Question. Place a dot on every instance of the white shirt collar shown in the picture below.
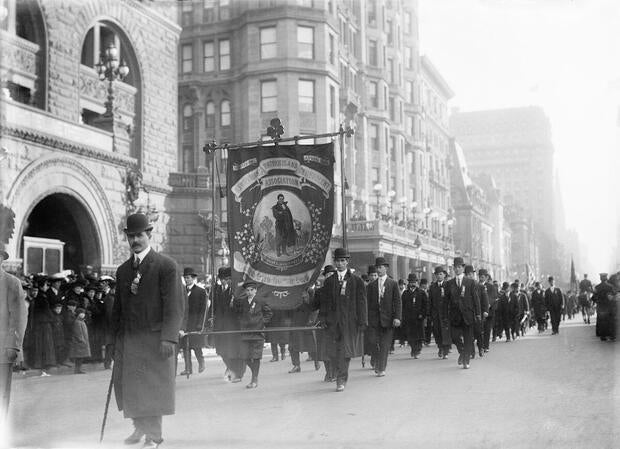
(383, 278)
(341, 274)
(141, 255)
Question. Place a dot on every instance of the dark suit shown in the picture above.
(195, 317)
(225, 319)
(554, 301)
(489, 321)
(143, 380)
(540, 309)
(439, 315)
(415, 310)
(484, 308)
(344, 314)
(464, 310)
(382, 311)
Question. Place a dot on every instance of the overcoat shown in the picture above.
(344, 314)
(143, 380)
(13, 314)
(464, 302)
(225, 319)
(79, 346)
(439, 313)
(415, 305)
(195, 314)
(303, 341)
(538, 304)
(42, 352)
(554, 300)
(253, 315)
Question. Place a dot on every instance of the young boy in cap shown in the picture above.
(79, 346)
(254, 314)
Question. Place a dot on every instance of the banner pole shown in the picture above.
(343, 189)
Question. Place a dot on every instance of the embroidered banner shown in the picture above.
(280, 217)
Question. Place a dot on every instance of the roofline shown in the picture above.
(428, 66)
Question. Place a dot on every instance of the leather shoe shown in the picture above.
(381, 374)
(465, 365)
(151, 444)
(135, 437)
(460, 360)
(252, 385)
(340, 387)
(295, 369)
(274, 359)
(185, 372)
(235, 380)
(201, 367)
(481, 352)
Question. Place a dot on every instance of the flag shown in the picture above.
(573, 276)
(280, 216)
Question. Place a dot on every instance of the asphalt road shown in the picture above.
(541, 391)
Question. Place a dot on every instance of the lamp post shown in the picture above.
(417, 244)
(391, 194)
(403, 206)
(426, 211)
(414, 207)
(377, 189)
(110, 69)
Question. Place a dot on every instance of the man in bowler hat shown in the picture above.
(146, 319)
(193, 321)
(343, 312)
(438, 312)
(554, 301)
(464, 311)
(384, 314)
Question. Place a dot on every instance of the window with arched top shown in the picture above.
(210, 115)
(225, 116)
(24, 51)
(187, 149)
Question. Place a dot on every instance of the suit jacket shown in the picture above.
(464, 302)
(438, 307)
(415, 305)
(195, 309)
(383, 313)
(13, 314)
(554, 300)
(493, 296)
(484, 298)
(254, 315)
(538, 303)
(143, 380)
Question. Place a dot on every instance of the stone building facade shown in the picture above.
(72, 172)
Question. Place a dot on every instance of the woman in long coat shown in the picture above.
(43, 352)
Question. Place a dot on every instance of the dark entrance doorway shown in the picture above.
(61, 216)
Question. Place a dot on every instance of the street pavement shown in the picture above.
(541, 391)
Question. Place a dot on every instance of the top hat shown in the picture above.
(187, 271)
(483, 272)
(328, 269)
(341, 253)
(3, 254)
(440, 269)
(381, 261)
(412, 278)
(250, 283)
(137, 223)
(458, 261)
(224, 272)
(469, 269)
(372, 269)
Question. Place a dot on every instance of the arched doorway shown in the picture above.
(61, 216)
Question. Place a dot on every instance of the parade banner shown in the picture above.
(280, 216)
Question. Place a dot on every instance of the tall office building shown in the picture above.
(316, 64)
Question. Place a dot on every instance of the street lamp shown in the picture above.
(110, 69)
(403, 205)
(377, 189)
(414, 207)
(417, 244)
(391, 194)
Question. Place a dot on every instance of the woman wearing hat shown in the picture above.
(254, 314)
(43, 355)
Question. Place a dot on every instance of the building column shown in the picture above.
(394, 266)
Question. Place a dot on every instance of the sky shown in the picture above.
(562, 55)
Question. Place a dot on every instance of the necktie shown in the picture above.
(136, 262)
(458, 282)
(380, 289)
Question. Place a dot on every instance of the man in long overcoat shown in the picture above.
(470, 272)
(147, 315)
(343, 312)
(384, 314)
(193, 321)
(415, 304)
(464, 311)
(539, 307)
(491, 293)
(438, 312)
(554, 300)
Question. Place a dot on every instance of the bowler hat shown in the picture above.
(440, 269)
(250, 283)
(423, 281)
(328, 269)
(514, 285)
(137, 223)
(341, 253)
(372, 269)
(550, 278)
(224, 272)
(188, 271)
(483, 272)
(505, 285)
(458, 261)
(381, 261)
(469, 269)
(3, 252)
(412, 278)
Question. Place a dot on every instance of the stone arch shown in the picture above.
(64, 176)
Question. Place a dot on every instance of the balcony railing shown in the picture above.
(191, 180)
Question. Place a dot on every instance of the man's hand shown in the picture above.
(166, 349)
(11, 354)
(396, 322)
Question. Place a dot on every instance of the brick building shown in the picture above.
(74, 164)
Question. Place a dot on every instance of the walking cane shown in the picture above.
(107, 405)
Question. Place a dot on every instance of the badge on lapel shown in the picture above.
(135, 284)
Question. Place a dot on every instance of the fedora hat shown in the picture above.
(341, 253)
(328, 269)
(469, 269)
(483, 272)
(372, 269)
(381, 261)
(412, 278)
(440, 269)
(458, 261)
(137, 223)
(224, 272)
(188, 271)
